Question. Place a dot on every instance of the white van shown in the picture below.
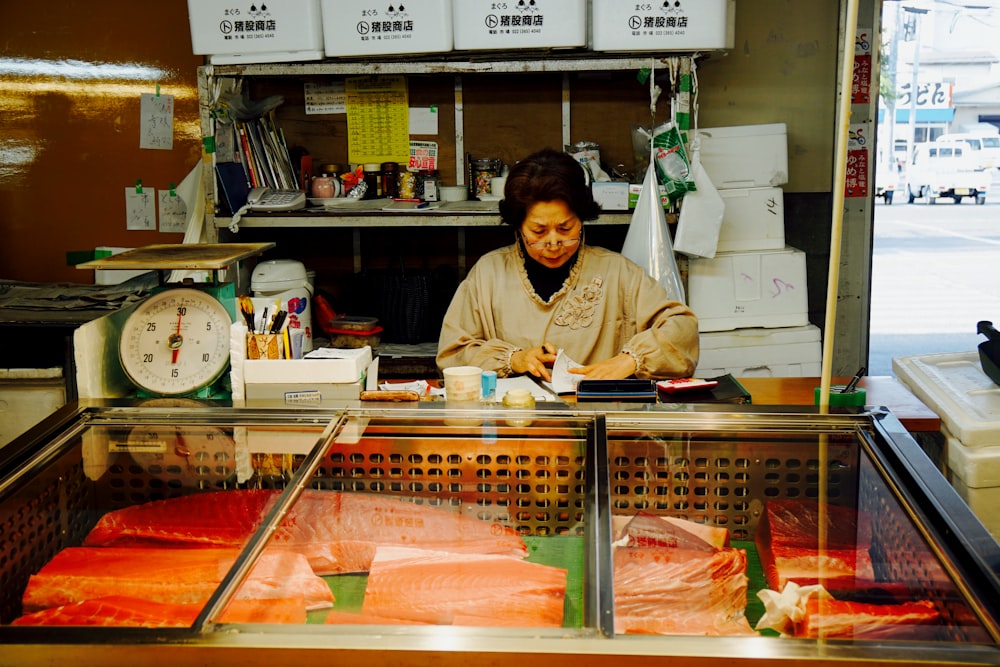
(945, 169)
(985, 147)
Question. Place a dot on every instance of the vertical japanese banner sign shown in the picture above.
(857, 180)
(857, 177)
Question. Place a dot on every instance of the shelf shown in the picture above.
(465, 62)
(385, 219)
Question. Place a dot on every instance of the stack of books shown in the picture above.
(264, 154)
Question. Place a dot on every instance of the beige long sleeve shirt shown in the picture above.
(607, 305)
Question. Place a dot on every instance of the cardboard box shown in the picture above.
(349, 366)
(487, 24)
(757, 352)
(754, 219)
(745, 156)
(764, 288)
(658, 26)
(375, 27)
(229, 33)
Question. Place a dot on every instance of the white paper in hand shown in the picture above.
(564, 382)
(647, 242)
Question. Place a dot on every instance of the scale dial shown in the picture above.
(176, 342)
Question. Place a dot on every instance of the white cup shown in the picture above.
(497, 184)
(463, 383)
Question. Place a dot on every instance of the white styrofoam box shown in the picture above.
(256, 32)
(978, 467)
(744, 156)
(758, 288)
(27, 396)
(679, 25)
(303, 393)
(376, 27)
(955, 387)
(982, 502)
(520, 24)
(756, 352)
(348, 366)
(754, 219)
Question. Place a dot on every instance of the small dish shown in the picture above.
(325, 201)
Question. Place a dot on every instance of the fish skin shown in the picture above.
(649, 530)
(180, 576)
(447, 588)
(123, 611)
(337, 532)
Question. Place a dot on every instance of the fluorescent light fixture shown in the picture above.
(79, 69)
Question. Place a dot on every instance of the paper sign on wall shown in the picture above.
(173, 212)
(156, 123)
(378, 123)
(140, 208)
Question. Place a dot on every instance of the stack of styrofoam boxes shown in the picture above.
(661, 26)
(377, 27)
(751, 298)
(516, 24)
(968, 402)
(256, 32)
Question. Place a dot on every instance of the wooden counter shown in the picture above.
(882, 390)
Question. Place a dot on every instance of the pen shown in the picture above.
(854, 381)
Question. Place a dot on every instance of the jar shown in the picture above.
(390, 176)
(521, 399)
(373, 179)
(323, 187)
(483, 172)
(407, 185)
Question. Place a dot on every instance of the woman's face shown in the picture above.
(551, 233)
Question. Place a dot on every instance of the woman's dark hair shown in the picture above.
(547, 175)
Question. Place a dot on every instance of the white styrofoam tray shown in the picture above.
(955, 387)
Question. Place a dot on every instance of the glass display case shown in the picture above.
(185, 532)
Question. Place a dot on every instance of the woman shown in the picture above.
(520, 304)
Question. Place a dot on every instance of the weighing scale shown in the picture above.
(176, 342)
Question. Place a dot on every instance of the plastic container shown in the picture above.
(284, 284)
(463, 383)
(841, 399)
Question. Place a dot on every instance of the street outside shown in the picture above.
(934, 276)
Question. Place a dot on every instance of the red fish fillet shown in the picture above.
(662, 590)
(180, 576)
(121, 611)
(337, 532)
(787, 540)
(854, 620)
(472, 589)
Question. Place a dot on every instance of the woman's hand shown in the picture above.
(615, 368)
(535, 361)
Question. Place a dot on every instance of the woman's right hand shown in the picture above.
(535, 361)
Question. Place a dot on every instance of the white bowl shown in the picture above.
(454, 193)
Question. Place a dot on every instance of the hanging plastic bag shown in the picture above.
(647, 242)
(701, 214)
(671, 160)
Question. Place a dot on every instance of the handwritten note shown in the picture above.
(173, 212)
(140, 208)
(325, 98)
(378, 125)
(156, 124)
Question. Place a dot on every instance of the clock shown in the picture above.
(176, 343)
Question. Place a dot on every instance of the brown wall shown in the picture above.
(69, 147)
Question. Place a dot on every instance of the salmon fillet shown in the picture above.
(715, 536)
(471, 589)
(649, 530)
(854, 620)
(787, 540)
(174, 576)
(337, 532)
(663, 590)
(121, 611)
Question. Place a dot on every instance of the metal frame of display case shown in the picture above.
(973, 557)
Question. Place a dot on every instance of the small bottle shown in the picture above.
(489, 386)
(373, 179)
(390, 182)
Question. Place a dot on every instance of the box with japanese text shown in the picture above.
(487, 24)
(763, 288)
(372, 27)
(270, 32)
(680, 25)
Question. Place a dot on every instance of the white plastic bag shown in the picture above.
(647, 242)
(701, 215)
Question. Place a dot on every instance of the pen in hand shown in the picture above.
(854, 381)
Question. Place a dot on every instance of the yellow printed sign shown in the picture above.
(378, 123)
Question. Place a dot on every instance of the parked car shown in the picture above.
(985, 147)
(945, 169)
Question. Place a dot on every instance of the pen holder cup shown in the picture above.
(262, 346)
(854, 398)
